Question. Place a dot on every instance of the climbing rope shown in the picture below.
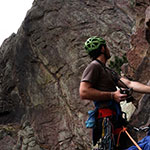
(125, 130)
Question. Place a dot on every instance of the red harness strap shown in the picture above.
(105, 112)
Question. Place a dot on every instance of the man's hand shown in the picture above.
(118, 97)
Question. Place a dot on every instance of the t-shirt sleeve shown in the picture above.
(91, 74)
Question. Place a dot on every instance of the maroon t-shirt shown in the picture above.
(99, 76)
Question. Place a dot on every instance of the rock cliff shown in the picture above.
(41, 67)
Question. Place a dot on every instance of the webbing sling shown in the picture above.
(114, 74)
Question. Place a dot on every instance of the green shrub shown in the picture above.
(117, 63)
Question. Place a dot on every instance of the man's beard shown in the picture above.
(108, 56)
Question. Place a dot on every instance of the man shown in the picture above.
(99, 83)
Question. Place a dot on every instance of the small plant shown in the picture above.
(117, 63)
(132, 3)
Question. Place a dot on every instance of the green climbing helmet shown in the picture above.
(93, 43)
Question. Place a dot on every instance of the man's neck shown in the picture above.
(102, 59)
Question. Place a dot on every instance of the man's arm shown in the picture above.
(137, 86)
(87, 92)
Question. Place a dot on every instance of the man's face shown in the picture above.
(107, 53)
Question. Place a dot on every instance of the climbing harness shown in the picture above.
(105, 112)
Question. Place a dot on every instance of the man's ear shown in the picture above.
(103, 49)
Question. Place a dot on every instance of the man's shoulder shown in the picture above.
(95, 64)
(91, 72)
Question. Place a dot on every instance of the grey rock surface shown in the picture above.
(26, 138)
(41, 65)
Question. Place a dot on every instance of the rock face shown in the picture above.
(139, 60)
(26, 138)
(41, 65)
